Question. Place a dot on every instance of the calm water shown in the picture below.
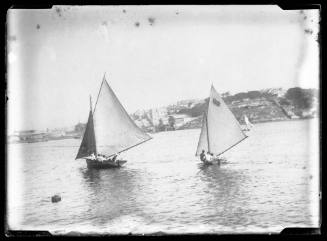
(270, 182)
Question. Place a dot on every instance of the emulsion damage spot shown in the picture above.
(308, 31)
(151, 20)
(58, 11)
(12, 38)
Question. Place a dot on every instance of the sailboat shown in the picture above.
(109, 131)
(248, 124)
(220, 129)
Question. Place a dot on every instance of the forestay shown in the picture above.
(220, 125)
(114, 130)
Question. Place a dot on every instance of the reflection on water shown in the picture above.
(226, 195)
(112, 192)
(163, 187)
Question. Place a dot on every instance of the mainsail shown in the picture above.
(220, 129)
(114, 130)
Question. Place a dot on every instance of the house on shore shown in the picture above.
(31, 136)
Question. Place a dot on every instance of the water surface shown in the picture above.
(270, 182)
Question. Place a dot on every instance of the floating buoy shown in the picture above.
(55, 198)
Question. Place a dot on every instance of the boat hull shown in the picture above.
(215, 161)
(96, 164)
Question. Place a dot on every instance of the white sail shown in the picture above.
(223, 130)
(114, 130)
(203, 140)
(248, 124)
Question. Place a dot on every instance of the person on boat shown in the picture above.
(203, 156)
(92, 156)
(208, 156)
(115, 158)
(218, 161)
(101, 157)
(211, 157)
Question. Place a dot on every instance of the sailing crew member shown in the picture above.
(92, 156)
(203, 156)
(219, 161)
(211, 157)
(114, 159)
(101, 158)
(208, 156)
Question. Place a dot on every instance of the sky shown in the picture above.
(151, 56)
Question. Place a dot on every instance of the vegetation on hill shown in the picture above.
(301, 99)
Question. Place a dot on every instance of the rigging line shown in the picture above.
(233, 146)
(99, 92)
(131, 146)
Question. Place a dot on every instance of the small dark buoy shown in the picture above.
(55, 198)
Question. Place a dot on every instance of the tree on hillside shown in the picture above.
(268, 93)
(301, 98)
(195, 111)
(240, 96)
(161, 126)
(254, 94)
(284, 101)
(225, 94)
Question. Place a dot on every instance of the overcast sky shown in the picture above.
(152, 56)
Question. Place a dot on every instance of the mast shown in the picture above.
(203, 138)
(103, 79)
(206, 116)
(90, 103)
(91, 113)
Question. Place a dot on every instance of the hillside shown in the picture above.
(258, 106)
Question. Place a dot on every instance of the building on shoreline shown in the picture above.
(31, 136)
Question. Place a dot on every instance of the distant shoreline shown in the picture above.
(299, 119)
(259, 122)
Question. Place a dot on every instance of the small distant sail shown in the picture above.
(88, 145)
(248, 124)
(220, 129)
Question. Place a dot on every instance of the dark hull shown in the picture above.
(95, 164)
(216, 161)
